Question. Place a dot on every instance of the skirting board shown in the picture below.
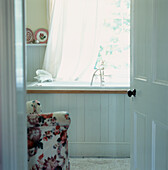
(101, 149)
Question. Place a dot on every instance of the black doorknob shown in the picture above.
(131, 92)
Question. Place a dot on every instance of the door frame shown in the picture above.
(12, 155)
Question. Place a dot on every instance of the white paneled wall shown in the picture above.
(100, 124)
(35, 57)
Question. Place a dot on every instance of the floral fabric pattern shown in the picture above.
(47, 141)
(33, 107)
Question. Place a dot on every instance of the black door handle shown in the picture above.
(131, 93)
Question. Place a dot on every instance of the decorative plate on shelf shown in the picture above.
(41, 35)
(29, 35)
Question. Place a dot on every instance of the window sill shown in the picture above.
(33, 88)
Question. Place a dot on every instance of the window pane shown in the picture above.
(114, 40)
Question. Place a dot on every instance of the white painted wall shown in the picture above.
(100, 122)
(36, 14)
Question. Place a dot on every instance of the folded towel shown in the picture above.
(43, 72)
(43, 76)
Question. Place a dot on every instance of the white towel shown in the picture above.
(43, 76)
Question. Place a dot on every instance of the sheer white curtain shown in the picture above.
(70, 52)
(50, 5)
(56, 20)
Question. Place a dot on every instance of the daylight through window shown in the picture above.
(89, 42)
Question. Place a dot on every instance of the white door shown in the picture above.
(149, 143)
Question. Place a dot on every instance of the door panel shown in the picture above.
(140, 140)
(160, 45)
(159, 146)
(140, 36)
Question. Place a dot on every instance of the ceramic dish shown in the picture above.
(29, 35)
(41, 35)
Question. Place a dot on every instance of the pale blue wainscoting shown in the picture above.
(34, 59)
(100, 124)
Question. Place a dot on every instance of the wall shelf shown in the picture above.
(36, 45)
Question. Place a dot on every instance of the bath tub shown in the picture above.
(74, 86)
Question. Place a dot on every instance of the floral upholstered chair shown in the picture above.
(47, 138)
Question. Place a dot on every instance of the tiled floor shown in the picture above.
(99, 164)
